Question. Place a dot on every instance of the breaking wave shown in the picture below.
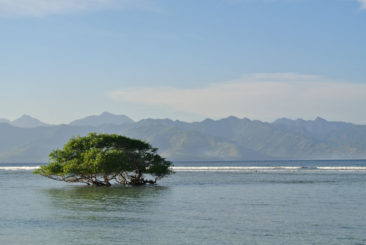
(234, 168)
(227, 168)
(19, 168)
(266, 168)
(343, 168)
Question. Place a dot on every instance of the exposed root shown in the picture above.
(123, 178)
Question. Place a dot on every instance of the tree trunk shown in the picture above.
(98, 183)
(106, 181)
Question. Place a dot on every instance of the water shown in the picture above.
(279, 202)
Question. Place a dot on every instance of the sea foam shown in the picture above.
(227, 168)
(342, 168)
(265, 168)
(19, 168)
(234, 168)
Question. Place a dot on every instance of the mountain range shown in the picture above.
(28, 140)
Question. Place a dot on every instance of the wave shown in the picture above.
(227, 168)
(343, 168)
(266, 168)
(235, 168)
(20, 168)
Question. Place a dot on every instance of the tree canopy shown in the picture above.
(103, 159)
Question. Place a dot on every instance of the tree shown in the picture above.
(102, 159)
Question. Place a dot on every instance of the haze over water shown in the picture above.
(278, 202)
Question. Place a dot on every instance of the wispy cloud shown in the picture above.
(363, 3)
(260, 96)
(38, 8)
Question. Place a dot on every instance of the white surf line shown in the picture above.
(225, 168)
(266, 168)
(342, 168)
(235, 168)
(17, 168)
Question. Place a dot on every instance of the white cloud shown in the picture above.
(37, 8)
(363, 3)
(260, 96)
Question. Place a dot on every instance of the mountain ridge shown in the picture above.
(104, 118)
(25, 121)
(229, 138)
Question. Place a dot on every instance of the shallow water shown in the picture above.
(306, 205)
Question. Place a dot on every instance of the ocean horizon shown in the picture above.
(257, 165)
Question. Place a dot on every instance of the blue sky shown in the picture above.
(188, 60)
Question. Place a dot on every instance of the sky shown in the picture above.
(188, 60)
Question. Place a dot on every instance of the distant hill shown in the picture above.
(226, 139)
(105, 118)
(25, 121)
(3, 120)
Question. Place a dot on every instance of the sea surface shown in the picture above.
(272, 202)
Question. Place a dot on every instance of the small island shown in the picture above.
(104, 159)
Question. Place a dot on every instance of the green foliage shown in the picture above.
(99, 159)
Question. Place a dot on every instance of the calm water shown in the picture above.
(292, 202)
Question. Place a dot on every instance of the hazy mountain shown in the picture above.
(27, 121)
(317, 127)
(3, 120)
(104, 118)
(179, 143)
(226, 139)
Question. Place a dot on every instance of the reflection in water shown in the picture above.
(93, 215)
(102, 194)
(98, 203)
